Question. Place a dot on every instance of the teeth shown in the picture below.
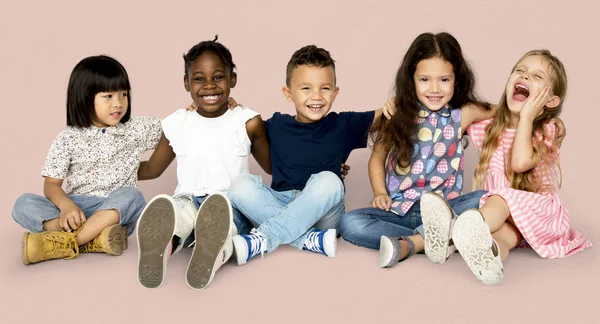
(210, 98)
(315, 106)
(521, 86)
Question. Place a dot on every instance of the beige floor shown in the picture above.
(291, 286)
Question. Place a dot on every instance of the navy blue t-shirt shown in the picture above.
(299, 150)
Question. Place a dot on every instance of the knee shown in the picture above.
(349, 223)
(241, 185)
(131, 194)
(21, 205)
(329, 184)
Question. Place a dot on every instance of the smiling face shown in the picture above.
(434, 82)
(529, 76)
(312, 90)
(209, 82)
(110, 107)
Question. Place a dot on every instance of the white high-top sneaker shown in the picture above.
(155, 230)
(213, 247)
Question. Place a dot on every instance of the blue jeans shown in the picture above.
(241, 222)
(31, 210)
(364, 227)
(285, 217)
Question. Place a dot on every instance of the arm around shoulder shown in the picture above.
(161, 158)
(473, 112)
(257, 132)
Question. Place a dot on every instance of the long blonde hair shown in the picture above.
(546, 156)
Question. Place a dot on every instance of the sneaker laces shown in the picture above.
(314, 241)
(257, 243)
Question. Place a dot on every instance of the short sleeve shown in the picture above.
(476, 132)
(152, 131)
(59, 158)
(358, 125)
(172, 124)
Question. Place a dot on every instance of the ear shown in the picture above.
(233, 80)
(186, 83)
(553, 102)
(335, 92)
(287, 93)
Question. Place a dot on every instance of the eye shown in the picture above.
(445, 79)
(124, 94)
(219, 77)
(326, 88)
(107, 96)
(519, 70)
(199, 79)
(539, 76)
(423, 79)
(305, 88)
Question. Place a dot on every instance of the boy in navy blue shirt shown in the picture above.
(305, 201)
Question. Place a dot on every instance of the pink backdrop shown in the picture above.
(43, 40)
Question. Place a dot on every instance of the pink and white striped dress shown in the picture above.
(541, 218)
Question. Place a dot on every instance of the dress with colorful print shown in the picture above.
(541, 218)
(436, 165)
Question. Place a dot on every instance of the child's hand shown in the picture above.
(71, 218)
(345, 169)
(383, 202)
(231, 103)
(389, 108)
(534, 106)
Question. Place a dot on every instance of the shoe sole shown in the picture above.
(156, 228)
(387, 253)
(212, 230)
(471, 237)
(114, 240)
(437, 216)
(240, 249)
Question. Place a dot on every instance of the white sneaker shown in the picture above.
(322, 241)
(475, 244)
(438, 221)
(155, 230)
(213, 233)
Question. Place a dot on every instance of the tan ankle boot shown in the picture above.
(112, 240)
(43, 246)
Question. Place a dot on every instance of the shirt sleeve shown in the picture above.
(59, 158)
(358, 125)
(154, 132)
(477, 131)
(171, 126)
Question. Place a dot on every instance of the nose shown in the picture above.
(209, 84)
(434, 87)
(118, 101)
(316, 94)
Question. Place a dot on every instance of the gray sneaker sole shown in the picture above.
(213, 225)
(155, 231)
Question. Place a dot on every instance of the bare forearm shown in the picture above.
(377, 172)
(57, 195)
(522, 151)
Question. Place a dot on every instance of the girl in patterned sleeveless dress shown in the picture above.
(417, 151)
(519, 166)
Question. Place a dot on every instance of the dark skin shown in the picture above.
(208, 77)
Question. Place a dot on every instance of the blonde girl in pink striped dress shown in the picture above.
(519, 167)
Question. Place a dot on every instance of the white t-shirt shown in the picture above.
(210, 152)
